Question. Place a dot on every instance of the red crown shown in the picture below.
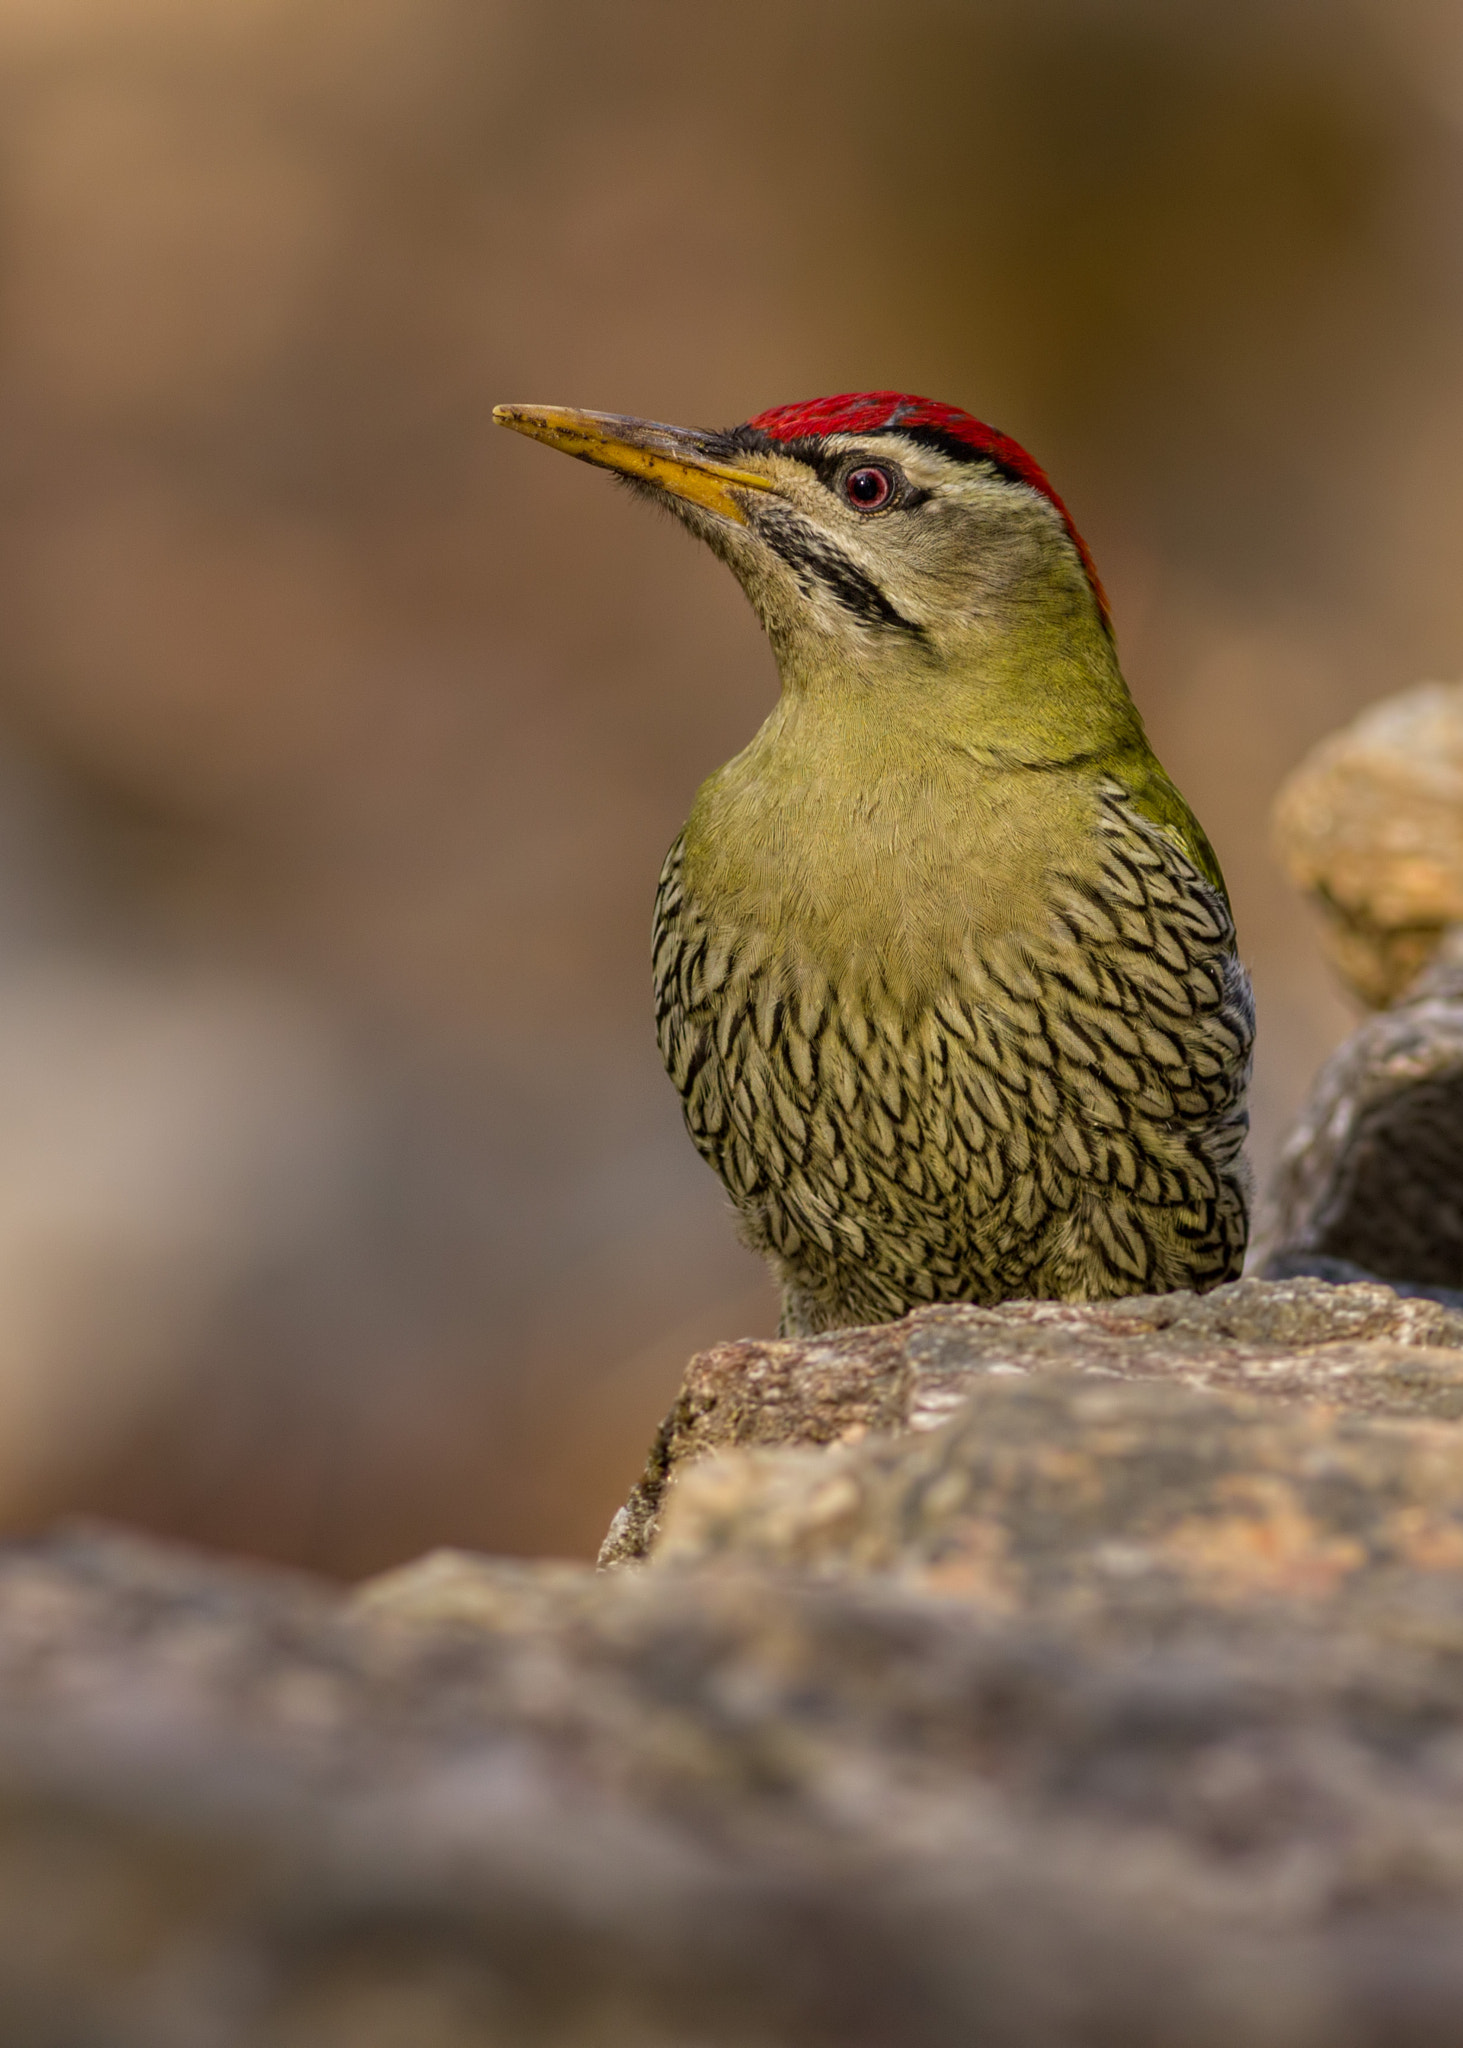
(872, 412)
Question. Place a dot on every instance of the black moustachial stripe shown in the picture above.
(813, 558)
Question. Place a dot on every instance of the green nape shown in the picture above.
(1156, 799)
(1047, 690)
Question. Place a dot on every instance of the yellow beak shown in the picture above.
(675, 458)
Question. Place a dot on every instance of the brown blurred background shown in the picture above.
(343, 1206)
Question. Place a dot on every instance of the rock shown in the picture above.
(1051, 1676)
(1060, 1493)
(1370, 1172)
(1289, 1265)
(1359, 1347)
(457, 1587)
(1368, 1183)
(735, 1803)
(1371, 826)
(1368, 1180)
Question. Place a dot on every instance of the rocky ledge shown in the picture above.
(1360, 1348)
(1044, 1677)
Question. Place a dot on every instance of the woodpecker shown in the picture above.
(944, 966)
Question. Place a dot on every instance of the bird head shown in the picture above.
(886, 540)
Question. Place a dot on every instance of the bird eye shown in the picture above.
(868, 488)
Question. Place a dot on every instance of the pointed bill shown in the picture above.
(679, 460)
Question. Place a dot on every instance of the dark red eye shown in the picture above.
(869, 488)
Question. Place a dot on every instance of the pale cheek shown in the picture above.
(938, 579)
(779, 601)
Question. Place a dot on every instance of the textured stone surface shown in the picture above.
(1371, 825)
(1047, 1677)
(1370, 1171)
(1049, 1491)
(1360, 1347)
(483, 1805)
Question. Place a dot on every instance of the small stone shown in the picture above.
(1370, 825)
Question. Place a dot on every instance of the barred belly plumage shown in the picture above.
(1061, 1117)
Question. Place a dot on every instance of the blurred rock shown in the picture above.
(254, 1247)
(1369, 1180)
(1359, 1348)
(1371, 826)
(1371, 1174)
(173, 1140)
(1104, 1713)
(458, 1586)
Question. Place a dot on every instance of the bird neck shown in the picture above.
(889, 811)
(1031, 682)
